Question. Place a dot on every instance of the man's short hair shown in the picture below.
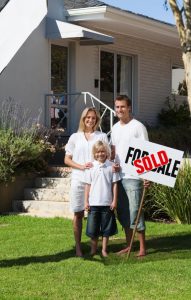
(124, 98)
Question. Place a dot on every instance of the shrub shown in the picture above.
(174, 114)
(174, 137)
(173, 202)
(23, 146)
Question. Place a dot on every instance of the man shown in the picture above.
(130, 188)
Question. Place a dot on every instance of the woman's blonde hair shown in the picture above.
(83, 116)
(101, 145)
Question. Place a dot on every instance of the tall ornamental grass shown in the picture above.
(23, 143)
(173, 202)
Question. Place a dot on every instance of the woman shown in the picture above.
(78, 156)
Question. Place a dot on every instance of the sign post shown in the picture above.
(153, 162)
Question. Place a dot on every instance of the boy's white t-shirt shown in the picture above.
(120, 137)
(101, 177)
(81, 150)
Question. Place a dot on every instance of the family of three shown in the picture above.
(99, 185)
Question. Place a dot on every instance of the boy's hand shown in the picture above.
(113, 205)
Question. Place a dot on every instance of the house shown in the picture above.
(59, 55)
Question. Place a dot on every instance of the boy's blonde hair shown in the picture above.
(83, 116)
(99, 145)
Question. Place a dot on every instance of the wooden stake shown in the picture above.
(136, 222)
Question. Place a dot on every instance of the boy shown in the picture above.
(101, 198)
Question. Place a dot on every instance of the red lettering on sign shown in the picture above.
(150, 162)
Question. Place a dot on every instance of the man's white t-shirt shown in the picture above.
(101, 177)
(120, 137)
(81, 150)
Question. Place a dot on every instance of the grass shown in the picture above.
(37, 262)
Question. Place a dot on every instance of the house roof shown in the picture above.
(74, 4)
(70, 4)
(3, 3)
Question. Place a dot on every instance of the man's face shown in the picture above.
(122, 110)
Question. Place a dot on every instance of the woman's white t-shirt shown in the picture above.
(81, 150)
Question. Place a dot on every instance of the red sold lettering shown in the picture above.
(150, 162)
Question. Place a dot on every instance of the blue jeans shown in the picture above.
(129, 198)
(101, 222)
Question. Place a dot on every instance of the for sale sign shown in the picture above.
(152, 161)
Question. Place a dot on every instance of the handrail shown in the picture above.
(111, 111)
(55, 104)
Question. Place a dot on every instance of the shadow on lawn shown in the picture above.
(159, 248)
(56, 257)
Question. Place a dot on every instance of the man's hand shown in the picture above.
(146, 183)
(116, 168)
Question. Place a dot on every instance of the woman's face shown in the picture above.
(90, 120)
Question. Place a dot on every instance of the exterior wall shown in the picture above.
(153, 82)
(26, 79)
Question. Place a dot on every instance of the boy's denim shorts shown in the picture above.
(129, 198)
(101, 222)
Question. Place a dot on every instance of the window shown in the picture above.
(59, 68)
(115, 76)
(178, 78)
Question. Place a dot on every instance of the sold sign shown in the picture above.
(153, 162)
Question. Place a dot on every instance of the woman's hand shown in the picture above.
(87, 206)
(87, 165)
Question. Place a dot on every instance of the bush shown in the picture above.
(174, 114)
(174, 137)
(174, 203)
(23, 146)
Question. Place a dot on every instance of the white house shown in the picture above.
(53, 52)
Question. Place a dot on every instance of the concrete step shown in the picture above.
(59, 171)
(53, 182)
(43, 208)
(41, 194)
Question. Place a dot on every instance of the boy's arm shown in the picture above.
(114, 202)
(87, 192)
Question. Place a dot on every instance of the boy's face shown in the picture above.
(101, 155)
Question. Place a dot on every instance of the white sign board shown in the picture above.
(152, 161)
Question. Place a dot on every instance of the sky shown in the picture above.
(151, 8)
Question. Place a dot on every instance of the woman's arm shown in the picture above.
(69, 162)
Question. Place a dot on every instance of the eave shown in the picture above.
(118, 21)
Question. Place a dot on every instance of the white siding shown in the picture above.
(153, 72)
(26, 79)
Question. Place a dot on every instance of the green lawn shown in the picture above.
(37, 262)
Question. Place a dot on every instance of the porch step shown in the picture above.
(47, 194)
(43, 208)
(49, 197)
(59, 171)
(52, 182)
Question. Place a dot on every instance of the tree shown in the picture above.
(182, 15)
